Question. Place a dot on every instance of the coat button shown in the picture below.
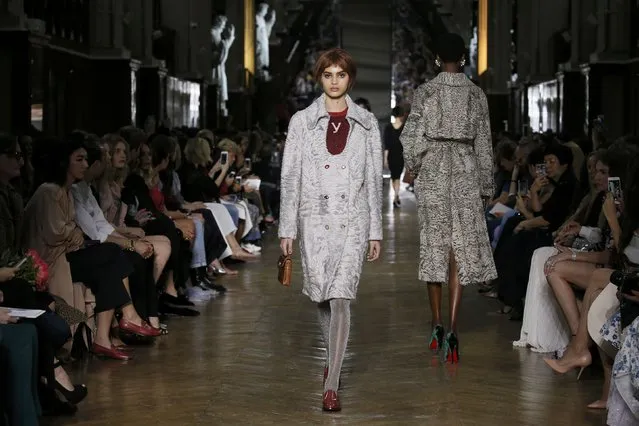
(343, 196)
(326, 197)
(326, 166)
(343, 167)
(326, 227)
(343, 226)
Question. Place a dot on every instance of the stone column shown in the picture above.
(235, 64)
(117, 14)
(12, 14)
(147, 32)
(613, 30)
(499, 25)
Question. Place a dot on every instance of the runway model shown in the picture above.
(331, 202)
(393, 151)
(447, 144)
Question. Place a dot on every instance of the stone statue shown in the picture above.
(264, 22)
(222, 37)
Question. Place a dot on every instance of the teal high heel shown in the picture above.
(437, 338)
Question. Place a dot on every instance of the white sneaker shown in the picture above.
(253, 249)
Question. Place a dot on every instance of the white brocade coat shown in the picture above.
(447, 144)
(332, 204)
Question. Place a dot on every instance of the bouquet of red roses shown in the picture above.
(34, 270)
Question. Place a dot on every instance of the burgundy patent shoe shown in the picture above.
(112, 352)
(140, 330)
(331, 401)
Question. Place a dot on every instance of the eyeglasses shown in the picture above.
(13, 154)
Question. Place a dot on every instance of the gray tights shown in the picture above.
(335, 321)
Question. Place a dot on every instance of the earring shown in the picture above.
(438, 64)
(462, 62)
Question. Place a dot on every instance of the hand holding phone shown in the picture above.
(541, 171)
(614, 187)
(224, 158)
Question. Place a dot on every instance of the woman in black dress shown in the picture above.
(393, 150)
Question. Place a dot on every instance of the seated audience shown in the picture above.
(583, 245)
(50, 229)
(516, 246)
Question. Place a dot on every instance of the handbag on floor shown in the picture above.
(285, 270)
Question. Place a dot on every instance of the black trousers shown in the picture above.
(52, 331)
(180, 250)
(214, 241)
(102, 268)
(513, 263)
(18, 375)
(270, 197)
(144, 293)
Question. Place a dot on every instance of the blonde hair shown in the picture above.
(207, 135)
(197, 152)
(229, 145)
(110, 174)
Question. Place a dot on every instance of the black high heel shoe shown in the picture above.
(437, 338)
(451, 348)
(74, 396)
(204, 279)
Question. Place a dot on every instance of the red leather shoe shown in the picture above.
(331, 401)
(137, 329)
(155, 331)
(111, 352)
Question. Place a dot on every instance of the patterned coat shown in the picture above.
(335, 201)
(447, 144)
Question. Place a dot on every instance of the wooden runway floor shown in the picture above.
(254, 357)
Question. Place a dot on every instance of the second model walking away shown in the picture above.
(332, 190)
(447, 145)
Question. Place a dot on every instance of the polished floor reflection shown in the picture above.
(254, 358)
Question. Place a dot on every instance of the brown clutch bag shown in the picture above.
(284, 270)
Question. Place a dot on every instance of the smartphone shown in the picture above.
(522, 187)
(232, 174)
(20, 263)
(247, 163)
(540, 169)
(614, 187)
(224, 157)
(238, 180)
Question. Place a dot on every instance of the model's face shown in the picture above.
(335, 82)
(602, 173)
(78, 165)
(118, 159)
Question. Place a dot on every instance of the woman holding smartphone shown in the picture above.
(448, 147)
(332, 188)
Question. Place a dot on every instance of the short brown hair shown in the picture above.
(339, 57)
